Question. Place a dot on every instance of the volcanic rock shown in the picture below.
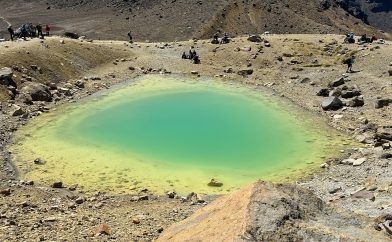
(215, 183)
(356, 102)
(102, 229)
(38, 92)
(6, 76)
(270, 212)
(255, 38)
(380, 103)
(324, 92)
(332, 103)
(245, 72)
(337, 82)
(57, 184)
(16, 110)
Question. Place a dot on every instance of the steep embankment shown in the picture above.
(164, 20)
(51, 61)
(268, 212)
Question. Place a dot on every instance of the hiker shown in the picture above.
(349, 62)
(225, 38)
(195, 59)
(215, 39)
(39, 31)
(192, 53)
(24, 32)
(130, 37)
(216, 36)
(349, 38)
(11, 31)
(33, 31)
(184, 55)
(374, 38)
(47, 30)
(364, 39)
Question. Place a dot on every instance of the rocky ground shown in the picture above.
(150, 20)
(304, 69)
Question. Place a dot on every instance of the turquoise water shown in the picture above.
(167, 134)
(207, 128)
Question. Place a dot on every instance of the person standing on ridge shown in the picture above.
(11, 31)
(130, 37)
(39, 31)
(47, 30)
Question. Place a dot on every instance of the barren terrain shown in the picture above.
(295, 67)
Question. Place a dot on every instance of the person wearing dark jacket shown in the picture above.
(12, 33)
(39, 31)
(349, 62)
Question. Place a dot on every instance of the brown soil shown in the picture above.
(162, 20)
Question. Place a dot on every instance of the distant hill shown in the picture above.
(377, 13)
(167, 20)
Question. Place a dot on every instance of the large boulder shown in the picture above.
(6, 77)
(332, 103)
(271, 212)
(38, 92)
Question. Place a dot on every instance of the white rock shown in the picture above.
(349, 161)
(359, 161)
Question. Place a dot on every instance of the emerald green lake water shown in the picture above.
(165, 134)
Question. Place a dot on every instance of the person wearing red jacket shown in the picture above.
(47, 30)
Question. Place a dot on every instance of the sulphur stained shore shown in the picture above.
(174, 133)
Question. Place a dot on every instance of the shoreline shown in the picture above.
(297, 172)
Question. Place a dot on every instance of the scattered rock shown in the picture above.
(351, 93)
(102, 229)
(39, 161)
(332, 103)
(5, 192)
(335, 190)
(79, 200)
(79, 83)
(380, 103)
(324, 92)
(194, 72)
(337, 82)
(171, 194)
(384, 133)
(359, 161)
(255, 38)
(16, 110)
(25, 98)
(245, 72)
(136, 221)
(57, 184)
(363, 194)
(38, 92)
(6, 76)
(386, 156)
(228, 70)
(215, 183)
(356, 102)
